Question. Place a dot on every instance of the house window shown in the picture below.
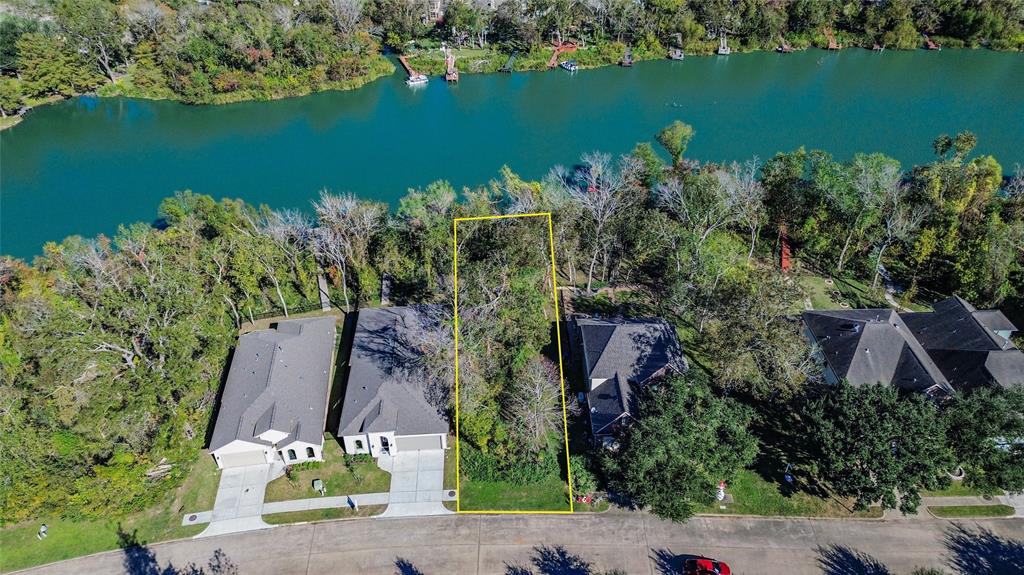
(291, 454)
(309, 452)
(359, 445)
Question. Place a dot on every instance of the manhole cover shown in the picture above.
(192, 518)
(451, 494)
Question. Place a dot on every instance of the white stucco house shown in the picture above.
(385, 410)
(274, 404)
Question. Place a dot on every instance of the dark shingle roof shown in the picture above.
(384, 390)
(626, 353)
(872, 346)
(964, 344)
(952, 326)
(279, 380)
(636, 349)
(955, 346)
(608, 402)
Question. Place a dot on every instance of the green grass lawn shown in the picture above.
(69, 538)
(450, 476)
(753, 495)
(959, 511)
(818, 291)
(549, 495)
(856, 293)
(338, 478)
(322, 514)
(955, 489)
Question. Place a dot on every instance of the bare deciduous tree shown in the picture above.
(346, 14)
(144, 18)
(899, 218)
(702, 203)
(599, 190)
(535, 403)
(869, 185)
(747, 195)
(347, 226)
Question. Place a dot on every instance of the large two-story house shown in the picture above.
(953, 348)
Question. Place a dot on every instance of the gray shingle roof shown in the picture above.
(384, 392)
(278, 379)
(873, 346)
(627, 353)
(634, 348)
(964, 344)
(955, 346)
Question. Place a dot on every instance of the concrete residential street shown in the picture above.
(634, 542)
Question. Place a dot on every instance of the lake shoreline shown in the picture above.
(91, 164)
(112, 90)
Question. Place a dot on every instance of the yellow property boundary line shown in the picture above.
(561, 373)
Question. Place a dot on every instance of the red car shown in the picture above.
(705, 566)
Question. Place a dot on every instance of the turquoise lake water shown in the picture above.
(86, 165)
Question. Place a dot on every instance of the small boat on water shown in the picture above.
(569, 65)
(417, 80)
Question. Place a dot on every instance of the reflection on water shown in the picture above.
(86, 165)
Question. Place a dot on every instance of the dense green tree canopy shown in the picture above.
(112, 349)
(223, 51)
(683, 441)
(875, 446)
(986, 433)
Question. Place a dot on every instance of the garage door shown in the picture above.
(243, 458)
(412, 443)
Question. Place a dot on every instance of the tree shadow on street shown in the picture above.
(982, 552)
(668, 563)
(555, 560)
(840, 560)
(139, 559)
(405, 567)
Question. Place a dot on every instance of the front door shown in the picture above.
(385, 447)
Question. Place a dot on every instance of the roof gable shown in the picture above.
(867, 346)
(278, 380)
(955, 345)
(384, 392)
(635, 349)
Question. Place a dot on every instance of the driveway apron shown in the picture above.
(239, 503)
(417, 484)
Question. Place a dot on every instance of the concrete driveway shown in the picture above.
(417, 484)
(239, 503)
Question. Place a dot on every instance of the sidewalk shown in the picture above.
(332, 502)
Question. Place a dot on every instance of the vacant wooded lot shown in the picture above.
(510, 409)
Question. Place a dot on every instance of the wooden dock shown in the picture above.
(507, 68)
(627, 58)
(451, 72)
(832, 43)
(415, 78)
(563, 48)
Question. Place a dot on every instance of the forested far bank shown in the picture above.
(216, 52)
(112, 349)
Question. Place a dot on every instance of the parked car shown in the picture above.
(705, 566)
